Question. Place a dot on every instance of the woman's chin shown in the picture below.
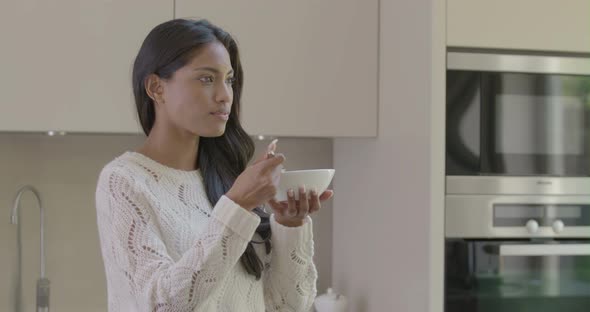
(213, 133)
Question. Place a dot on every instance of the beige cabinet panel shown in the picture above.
(546, 25)
(310, 66)
(67, 64)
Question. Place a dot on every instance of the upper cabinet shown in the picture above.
(67, 64)
(545, 25)
(310, 66)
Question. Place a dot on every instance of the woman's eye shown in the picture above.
(207, 79)
(231, 81)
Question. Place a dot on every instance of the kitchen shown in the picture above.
(380, 241)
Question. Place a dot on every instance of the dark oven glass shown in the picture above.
(479, 277)
(517, 124)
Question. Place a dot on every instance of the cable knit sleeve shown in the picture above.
(290, 280)
(136, 255)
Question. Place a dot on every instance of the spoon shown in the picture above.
(270, 152)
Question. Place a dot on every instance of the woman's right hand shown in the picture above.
(258, 183)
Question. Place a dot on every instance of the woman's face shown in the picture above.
(198, 97)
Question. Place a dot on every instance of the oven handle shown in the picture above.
(542, 64)
(530, 250)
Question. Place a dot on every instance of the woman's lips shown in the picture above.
(221, 115)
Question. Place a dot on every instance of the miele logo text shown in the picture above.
(544, 182)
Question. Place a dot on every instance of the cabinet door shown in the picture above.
(67, 64)
(310, 66)
(546, 25)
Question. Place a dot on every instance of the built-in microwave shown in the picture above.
(511, 115)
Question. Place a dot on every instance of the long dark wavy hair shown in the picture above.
(167, 48)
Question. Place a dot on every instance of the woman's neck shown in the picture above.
(171, 147)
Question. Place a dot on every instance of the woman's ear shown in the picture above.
(154, 88)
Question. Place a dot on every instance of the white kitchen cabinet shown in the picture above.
(546, 25)
(67, 64)
(310, 66)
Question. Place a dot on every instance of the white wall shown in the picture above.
(65, 169)
(388, 228)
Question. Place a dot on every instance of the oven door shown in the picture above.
(509, 120)
(517, 275)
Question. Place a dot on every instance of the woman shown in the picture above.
(180, 219)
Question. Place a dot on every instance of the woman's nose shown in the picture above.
(224, 93)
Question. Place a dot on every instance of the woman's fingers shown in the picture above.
(314, 202)
(303, 202)
(306, 204)
(326, 195)
(278, 207)
(292, 210)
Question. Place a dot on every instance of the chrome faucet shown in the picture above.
(42, 282)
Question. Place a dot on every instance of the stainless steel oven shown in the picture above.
(517, 253)
(517, 207)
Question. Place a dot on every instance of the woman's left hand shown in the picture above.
(292, 213)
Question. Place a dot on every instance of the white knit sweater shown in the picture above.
(165, 248)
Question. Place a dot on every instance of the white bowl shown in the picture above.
(315, 178)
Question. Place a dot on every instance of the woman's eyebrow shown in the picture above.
(212, 69)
